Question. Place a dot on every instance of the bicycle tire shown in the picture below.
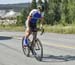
(39, 45)
(26, 50)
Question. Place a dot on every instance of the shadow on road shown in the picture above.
(52, 58)
(9, 47)
(5, 38)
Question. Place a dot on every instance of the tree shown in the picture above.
(33, 4)
(46, 6)
(51, 13)
(40, 2)
(71, 7)
(46, 10)
(21, 19)
(62, 11)
(57, 11)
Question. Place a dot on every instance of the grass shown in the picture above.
(69, 29)
(12, 28)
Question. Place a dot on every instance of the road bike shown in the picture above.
(35, 46)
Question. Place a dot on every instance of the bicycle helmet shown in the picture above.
(41, 7)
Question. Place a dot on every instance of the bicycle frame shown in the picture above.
(34, 34)
(34, 38)
(34, 46)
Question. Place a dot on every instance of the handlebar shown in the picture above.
(42, 30)
(38, 29)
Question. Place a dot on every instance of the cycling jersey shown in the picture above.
(35, 15)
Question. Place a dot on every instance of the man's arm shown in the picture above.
(42, 20)
(28, 23)
(29, 18)
(41, 24)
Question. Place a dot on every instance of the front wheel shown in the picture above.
(38, 49)
(26, 49)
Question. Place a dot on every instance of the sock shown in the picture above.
(25, 41)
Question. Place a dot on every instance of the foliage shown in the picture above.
(21, 19)
(56, 11)
(33, 4)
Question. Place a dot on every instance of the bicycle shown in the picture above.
(34, 46)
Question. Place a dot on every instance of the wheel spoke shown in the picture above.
(26, 50)
(38, 49)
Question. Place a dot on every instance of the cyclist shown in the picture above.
(31, 21)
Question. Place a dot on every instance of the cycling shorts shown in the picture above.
(33, 27)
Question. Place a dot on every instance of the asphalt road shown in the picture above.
(59, 49)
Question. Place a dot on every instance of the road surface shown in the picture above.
(59, 49)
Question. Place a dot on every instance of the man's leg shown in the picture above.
(27, 34)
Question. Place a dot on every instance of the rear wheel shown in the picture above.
(38, 50)
(26, 49)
